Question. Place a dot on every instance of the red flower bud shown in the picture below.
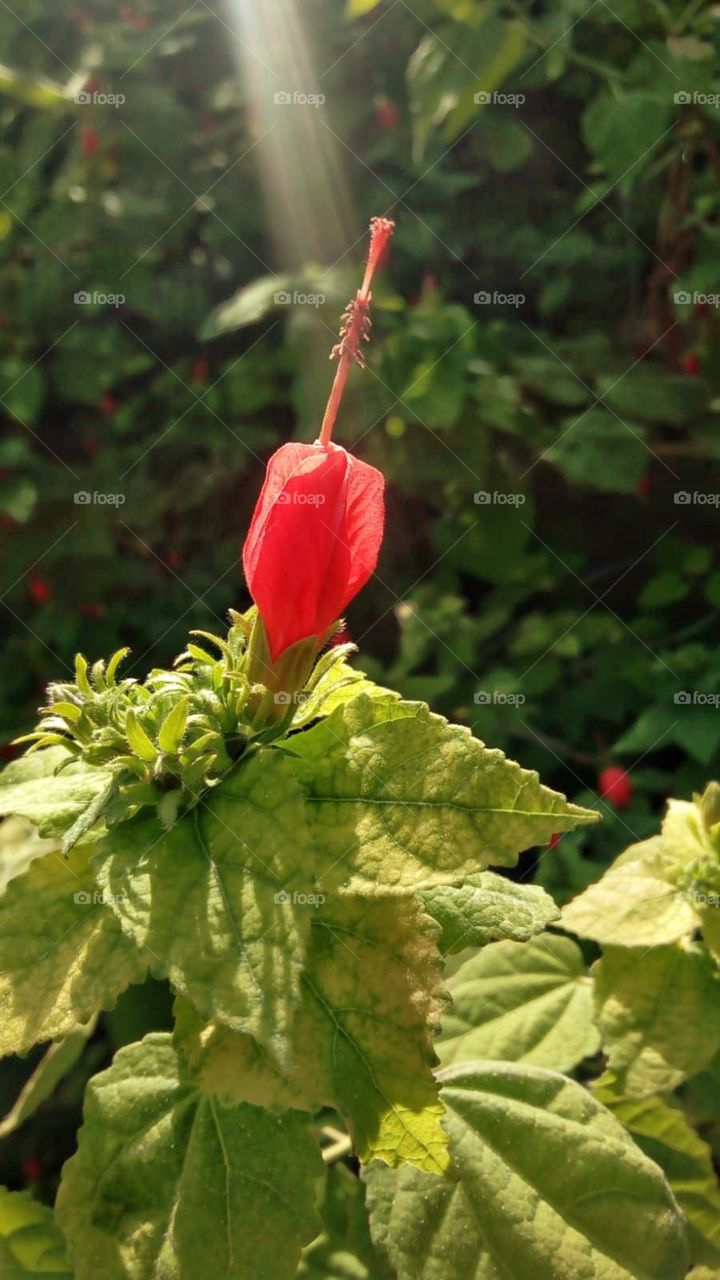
(314, 540)
(615, 786)
(38, 590)
(90, 142)
(318, 524)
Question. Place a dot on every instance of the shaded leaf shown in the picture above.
(155, 1159)
(528, 1002)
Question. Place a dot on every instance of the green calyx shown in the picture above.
(170, 738)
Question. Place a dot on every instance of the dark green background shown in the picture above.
(594, 400)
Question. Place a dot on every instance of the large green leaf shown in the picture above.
(30, 1243)
(63, 955)
(545, 1177)
(659, 1014)
(212, 898)
(401, 800)
(524, 1002)
(372, 998)
(636, 903)
(488, 907)
(31, 788)
(168, 1184)
(662, 1131)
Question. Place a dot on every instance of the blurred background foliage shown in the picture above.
(561, 620)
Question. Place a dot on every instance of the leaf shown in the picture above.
(659, 1014)
(358, 8)
(212, 898)
(662, 590)
(156, 1161)
(250, 304)
(401, 800)
(443, 81)
(621, 128)
(581, 445)
(645, 392)
(485, 908)
(522, 1002)
(344, 1251)
(36, 91)
(662, 1131)
(63, 955)
(20, 844)
(636, 903)
(31, 788)
(30, 1243)
(172, 728)
(140, 742)
(54, 1065)
(545, 1177)
(233, 1067)
(372, 998)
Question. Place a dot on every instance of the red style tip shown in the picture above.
(355, 325)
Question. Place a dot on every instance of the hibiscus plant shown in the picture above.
(303, 857)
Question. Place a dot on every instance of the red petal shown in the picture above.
(313, 541)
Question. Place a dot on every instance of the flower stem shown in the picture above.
(356, 325)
